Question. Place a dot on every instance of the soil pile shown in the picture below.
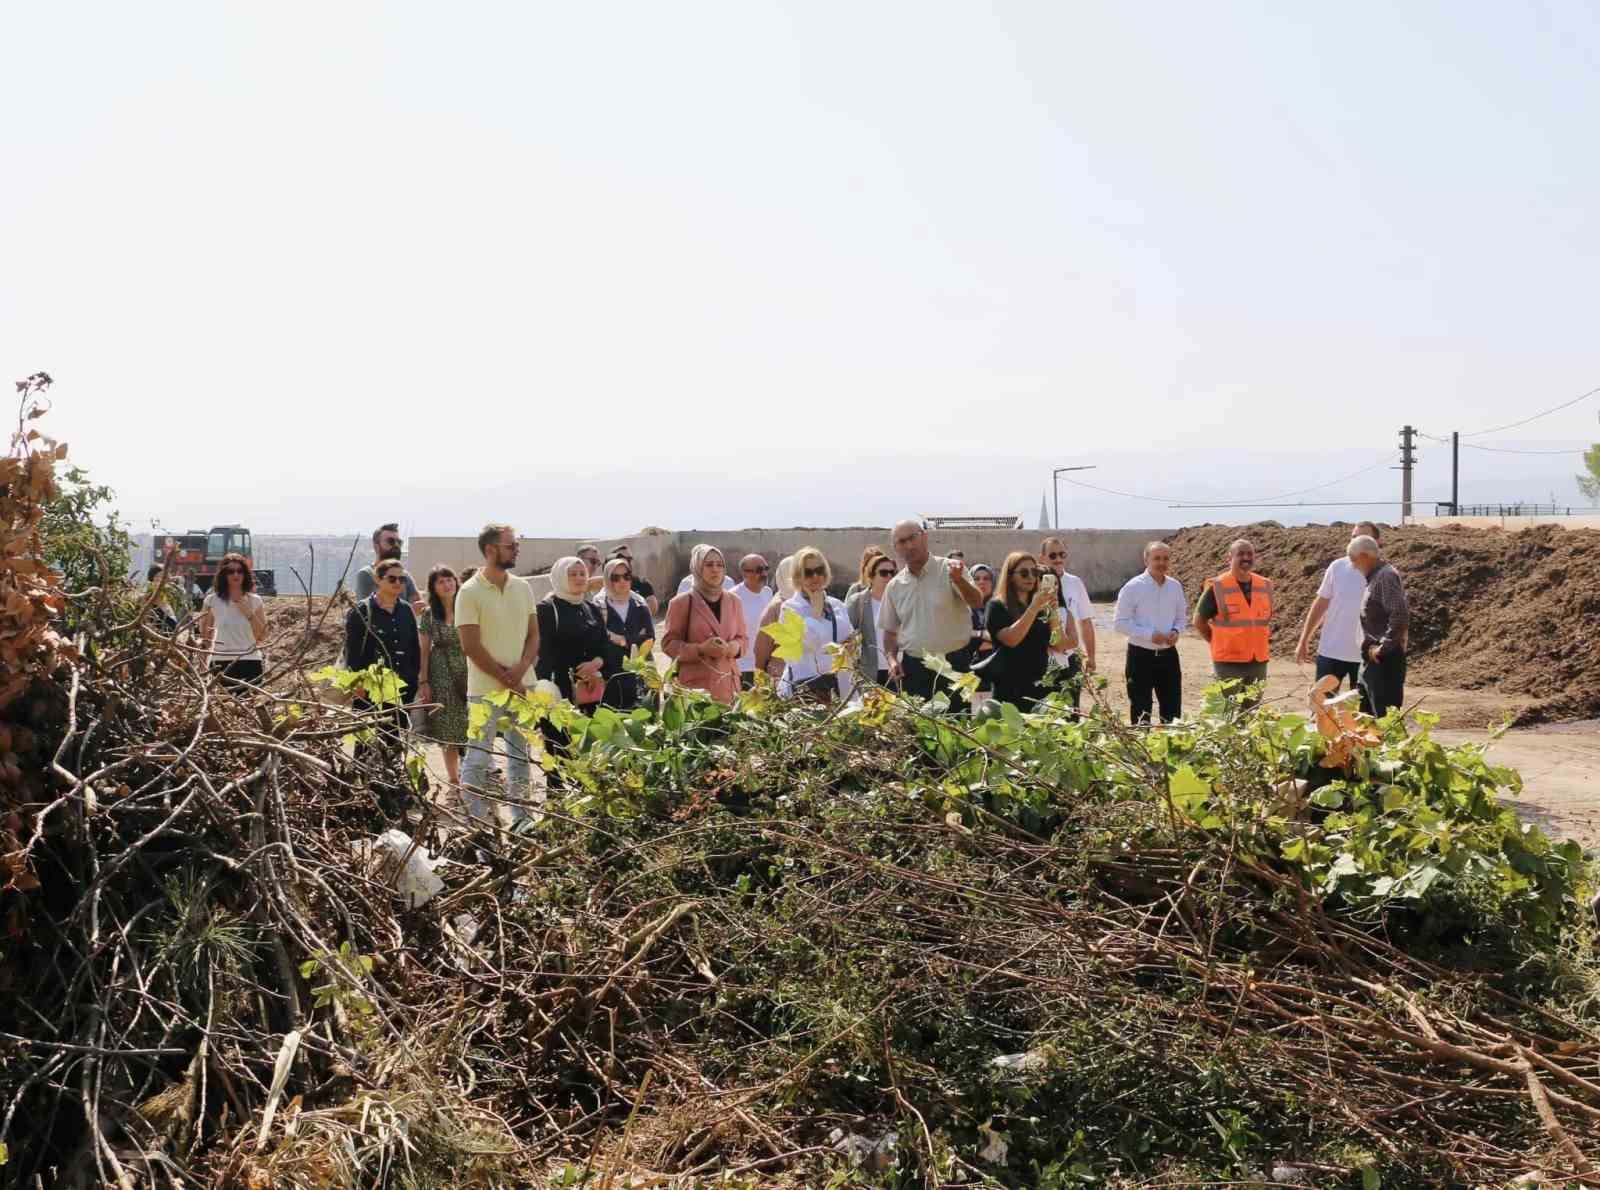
(1488, 608)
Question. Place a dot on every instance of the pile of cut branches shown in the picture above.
(887, 945)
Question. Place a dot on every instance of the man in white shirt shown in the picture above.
(1337, 608)
(1151, 613)
(755, 595)
(1074, 605)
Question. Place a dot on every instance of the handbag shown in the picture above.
(587, 693)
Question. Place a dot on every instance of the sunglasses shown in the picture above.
(1056, 557)
(886, 573)
(231, 570)
(394, 578)
(1025, 572)
(815, 571)
(622, 577)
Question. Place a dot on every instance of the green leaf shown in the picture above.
(1294, 850)
(1370, 1179)
(5, 1153)
(1328, 798)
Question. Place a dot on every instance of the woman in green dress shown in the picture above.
(444, 670)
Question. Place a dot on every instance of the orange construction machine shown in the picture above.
(192, 558)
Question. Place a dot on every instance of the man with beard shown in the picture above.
(386, 543)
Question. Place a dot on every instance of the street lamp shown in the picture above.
(1055, 487)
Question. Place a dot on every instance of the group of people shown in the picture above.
(1024, 629)
(1360, 608)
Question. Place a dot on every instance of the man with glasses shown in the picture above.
(1073, 606)
(500, 635)
(386, 544)
(926, 610)
(589, 555)
(754, 594)
(642, 587)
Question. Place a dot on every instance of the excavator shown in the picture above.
(192, 558)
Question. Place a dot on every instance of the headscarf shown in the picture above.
(785, 578)
(561, 583)
(973, 571)
(605, 596)
(697, 561)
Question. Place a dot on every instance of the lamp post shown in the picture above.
(1055, 488)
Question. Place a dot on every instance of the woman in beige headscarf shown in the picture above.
(784, 578)
(705, 630)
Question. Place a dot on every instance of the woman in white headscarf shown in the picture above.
(572, 636)
(705, 631)
(628, 625)
(784, 579)
(826, 623)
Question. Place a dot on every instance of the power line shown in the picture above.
(1264, 502)
(1513, 425)
(1507, 450)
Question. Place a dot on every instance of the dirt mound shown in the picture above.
(1488, 608)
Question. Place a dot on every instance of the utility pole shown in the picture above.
(1455, 472)
(1055, 487)
(1408, 460)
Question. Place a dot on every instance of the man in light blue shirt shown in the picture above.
(1151, 612)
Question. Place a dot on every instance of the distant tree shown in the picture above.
(1589, 484)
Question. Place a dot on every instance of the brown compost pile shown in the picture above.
(1517, 612)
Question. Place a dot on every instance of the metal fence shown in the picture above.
(1445, 508)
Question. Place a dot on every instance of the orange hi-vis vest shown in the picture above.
(1242, 631)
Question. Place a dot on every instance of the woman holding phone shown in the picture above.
(1019, 620)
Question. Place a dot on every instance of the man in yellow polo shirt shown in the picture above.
(500, 636)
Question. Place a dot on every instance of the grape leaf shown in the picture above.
(790, 634)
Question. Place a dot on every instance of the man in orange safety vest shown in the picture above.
(1235, 615)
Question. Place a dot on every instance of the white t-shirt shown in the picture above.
(1343, 586)
(1074, 599)
(235, 639)
(755, 606)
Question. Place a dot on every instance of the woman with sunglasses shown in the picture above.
(1019, 622)
(233, 623)
(628, 625)
(705, 630)
(865, 609)
(764, 646)
(812, 676)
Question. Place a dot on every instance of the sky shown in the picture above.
(587, 268)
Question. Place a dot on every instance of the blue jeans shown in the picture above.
(475, 768)
(1350, 671)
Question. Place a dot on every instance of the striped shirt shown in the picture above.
(1385, 615)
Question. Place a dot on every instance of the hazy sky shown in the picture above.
(590, 267)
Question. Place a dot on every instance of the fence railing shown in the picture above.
(1445, 508)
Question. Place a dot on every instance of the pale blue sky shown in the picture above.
(591, 267)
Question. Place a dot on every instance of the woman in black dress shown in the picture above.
(1018, 621)
(572, 636)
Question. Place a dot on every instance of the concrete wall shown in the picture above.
(1103, 558)
(1509, 523)
(655, 556)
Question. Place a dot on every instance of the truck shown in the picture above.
(192, 558)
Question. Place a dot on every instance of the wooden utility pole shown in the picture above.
(1408, 459)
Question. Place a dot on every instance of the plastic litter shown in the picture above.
(1032, 1060)
(415, 880)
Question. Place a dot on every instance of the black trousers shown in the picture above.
(1383, 684)
(1072, 681)
(1349, 671)
(1154, 676)
(236, 675)
(919, 679)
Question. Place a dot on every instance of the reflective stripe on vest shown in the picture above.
(1242, 629)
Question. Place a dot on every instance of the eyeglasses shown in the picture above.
(886, 573)
(1057, 557)
(394, 578)
(1025, 572)
(815, 571)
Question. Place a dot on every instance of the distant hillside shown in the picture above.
(286, 553)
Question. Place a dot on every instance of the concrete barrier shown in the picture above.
(1103, 558)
